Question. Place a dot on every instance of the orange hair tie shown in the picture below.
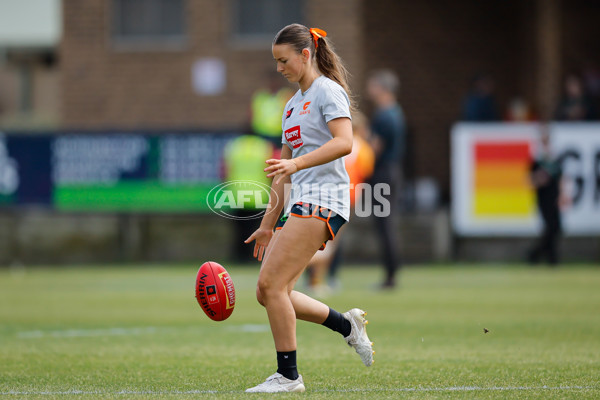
(316, 34)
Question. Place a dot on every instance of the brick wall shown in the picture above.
(435, 47)
(580, 45)
(106, 87)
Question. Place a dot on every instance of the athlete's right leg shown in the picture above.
(351, 324)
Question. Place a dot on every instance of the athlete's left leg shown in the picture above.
(350, 324)
(305, 307)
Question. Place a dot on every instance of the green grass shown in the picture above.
(137, 332)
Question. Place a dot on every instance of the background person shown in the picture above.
(575, 104)
(267, 106)
(480, 104)
(244, 158)
(519, 110)
(359, 165)
(389, 131)
(317, 134)
(547, 179)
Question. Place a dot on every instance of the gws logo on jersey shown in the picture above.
(305, 109)
(293, 136)
(227, 198)
(289, 113)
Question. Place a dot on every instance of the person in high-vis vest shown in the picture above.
(266, 108)
(244, 160)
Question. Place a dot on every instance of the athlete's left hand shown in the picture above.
(283, 168)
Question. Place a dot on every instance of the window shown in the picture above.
(148, 22)
(260, 20)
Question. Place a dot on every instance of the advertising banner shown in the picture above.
(491, 190)
(578, 146)
(111, 171)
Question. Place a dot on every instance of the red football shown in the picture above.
(214, 291)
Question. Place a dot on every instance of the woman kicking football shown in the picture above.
(317, 133)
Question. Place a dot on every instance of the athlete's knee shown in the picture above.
(267, 287)
(264, 286)
(259, 296)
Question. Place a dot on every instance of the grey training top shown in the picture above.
(305, 129)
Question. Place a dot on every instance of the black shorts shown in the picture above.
(306, 210)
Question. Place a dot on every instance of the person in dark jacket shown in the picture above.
(575, 104)
(480, 104)
(546, 178)
(389, 131)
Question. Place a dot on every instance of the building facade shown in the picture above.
(146, 80)
(127, 66)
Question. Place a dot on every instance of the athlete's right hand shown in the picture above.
(279, 169)
(262, 236)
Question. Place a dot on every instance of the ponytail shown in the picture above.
(332, 66)
(327, 60)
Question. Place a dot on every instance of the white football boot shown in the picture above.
(358, 335)
(279, 383)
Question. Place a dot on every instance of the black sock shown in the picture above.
(286, 364)
(336, 322)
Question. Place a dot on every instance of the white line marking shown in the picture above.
(69, 333)
(466, 389)
(416, 389)
(250, 328)
(87, 332)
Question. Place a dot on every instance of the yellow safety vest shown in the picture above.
(267, 109)
(245, 161)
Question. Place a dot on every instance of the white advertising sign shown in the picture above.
(491, 190)
(578, 145)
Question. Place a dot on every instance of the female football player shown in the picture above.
(317, 133)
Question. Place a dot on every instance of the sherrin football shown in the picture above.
(214, 291)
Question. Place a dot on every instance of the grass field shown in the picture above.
(137, 332)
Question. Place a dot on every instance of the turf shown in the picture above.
(137, 332)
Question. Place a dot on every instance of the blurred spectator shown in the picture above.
(359, 164)
(575, 104)
(244, 159)
(591, 78)
(519, 111)
(388, 128)
(480, 104)
(546, 178)
(267, 106)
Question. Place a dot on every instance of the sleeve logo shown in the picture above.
(293, 137)
(289, 113)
